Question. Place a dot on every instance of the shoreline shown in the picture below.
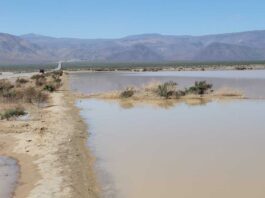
(165, 69)
(51, 150)
(201, 68)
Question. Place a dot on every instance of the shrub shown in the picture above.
(58, 73)
(49, 88)
(180, 93)
(167, 89)
(54, 73)
(240, 68)
(5, 87)
(127, 93)
(33, 95)
(199, 88)
(21, 81)
(39, 82)
(56, 81)
(10, 95)
(37, 76)
(9, 113)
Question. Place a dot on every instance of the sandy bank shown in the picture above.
(51, 150)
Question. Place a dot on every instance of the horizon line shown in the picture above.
(131, 35)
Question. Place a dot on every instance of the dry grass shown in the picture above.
(34, 90)
(151, 92)
(152, 86)
(12, 112)
(228, 92)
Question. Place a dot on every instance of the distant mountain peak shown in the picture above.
(33, 36)
(241, 46)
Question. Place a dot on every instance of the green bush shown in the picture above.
(199, 88)
(9, 113)
(127, 93)
(167, 89)
(49, 88)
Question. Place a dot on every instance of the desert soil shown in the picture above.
(51, 150)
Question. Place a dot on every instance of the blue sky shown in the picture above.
(118, 18)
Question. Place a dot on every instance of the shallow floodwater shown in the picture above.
(215, 150)
(251, 83)
(9, 172)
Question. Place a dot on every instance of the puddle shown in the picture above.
(25, 117)
(9, 172)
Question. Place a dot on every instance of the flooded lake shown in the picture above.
(212, 150)
(9, 172)
(251, 83)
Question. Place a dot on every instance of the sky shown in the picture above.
(119, 18)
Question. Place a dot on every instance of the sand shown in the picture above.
(51, 150)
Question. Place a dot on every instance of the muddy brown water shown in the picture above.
(9, 172)
(209, 150)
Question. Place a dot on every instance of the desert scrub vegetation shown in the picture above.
(169, 89)
(40, 81)
(49, 88)
(13, 112)
(199, 88)
(34, 90)
(166, 90)
(33, 95)
(20, 81)
(50, 81)
(23, 94)
(127, 93)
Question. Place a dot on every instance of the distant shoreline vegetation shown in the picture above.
(85, 65)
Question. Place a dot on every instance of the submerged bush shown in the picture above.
(200, 88)
(15, 112)
(127, 93)
(167, 89)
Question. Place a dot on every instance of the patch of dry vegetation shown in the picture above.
(170, 90)
(34, 91)
(127, 93)
(228, 92)
(12, 112)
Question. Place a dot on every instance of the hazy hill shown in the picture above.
(138, 48)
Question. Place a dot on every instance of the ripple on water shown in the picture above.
(9, 172)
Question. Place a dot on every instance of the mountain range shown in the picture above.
(32, 48)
